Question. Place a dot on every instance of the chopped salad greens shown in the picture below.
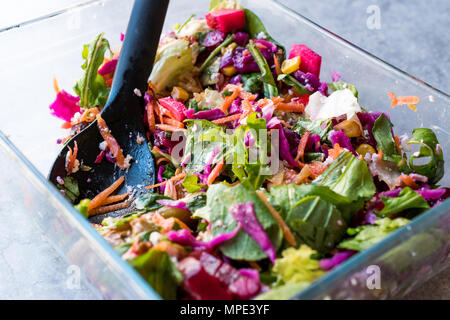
(267, 177)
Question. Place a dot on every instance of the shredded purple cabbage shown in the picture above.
(335, 260)
(161, 141)
(236, 79)
(160, 178)
(235, 107)
(341, 138)
(185, 238)
(244, 63)
(244, 214)
(432, 194)
(313, 143)
(209, 114)
(293, 140)
(226, 60)
(173, 204)
(189, 113)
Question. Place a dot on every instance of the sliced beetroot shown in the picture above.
(226, 20)
(241, 38)
(226, 60)
(310, 61)
(213, 38)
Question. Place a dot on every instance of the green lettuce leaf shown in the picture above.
(291, 81)
(266, 76)
(313, 126)
(366, 236)
(158, 269)
(429, 148)
(92, 88)
(407, 199)
(148, 201)
(348, 176)
(251, 82)
(190, 183)
(316, 223)
(242, 246)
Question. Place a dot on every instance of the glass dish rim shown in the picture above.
(317, 287)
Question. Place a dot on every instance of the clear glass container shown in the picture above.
(36, 52)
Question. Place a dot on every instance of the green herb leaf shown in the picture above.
(366, 236)
(313, 126)
(242, 246)
(229, 39)
(429, 148)
(382, 131)
(70, 188)
(251, 82)
(407, 199)
(92, 88)
(158, 269)
(270, 88)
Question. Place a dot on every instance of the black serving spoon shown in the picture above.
(123, 112)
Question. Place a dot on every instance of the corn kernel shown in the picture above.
(179, 94)
(229, 71)
(230, 47)
(350, 128)
(291, 65)
(364, 149)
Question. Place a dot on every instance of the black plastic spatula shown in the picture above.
(123, 112)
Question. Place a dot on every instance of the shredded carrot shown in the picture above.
(302, 146)
(336, 151)
(408, 181)
(66, 125)
(101, 197)
(316, 168)
(229, 100)
(284, 123)
(111, 142)
(215, 172)
(168, 127)
(170, 190)
(72, 158)
(228, 119)
(116, 198)
(182, 224)
(398, 101)
(113, 207)
(173, 122)
(174, 178)
(151, 116)
(88, 115)
(164, 112)
(276, 100)
(55, 85)
(398, 144)
(254, 265)
(277, 65)
(158, 112)
(380, 154)
(290, 107)
(161, 160)
(247, 95)
(286, 231)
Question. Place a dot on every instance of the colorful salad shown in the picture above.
(267, 177)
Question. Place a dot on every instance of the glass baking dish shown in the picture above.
(52, 47)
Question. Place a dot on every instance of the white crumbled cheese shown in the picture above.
(404, 139)
(261, 36)
(103, 145)
(155, 237)
(385, 170)
(137, 92)
(59, 180)
(341, 102)
(127, 161)
(75, 117)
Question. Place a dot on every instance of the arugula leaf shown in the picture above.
(270, 87)
(317, 223)
(407, 199)
(148, 201)
(291, 81)
(251, 82)
(158, 269)
(429, 147)
(254, 27)
(70, 188)
(242, 246)
(348, 176)
(92, 88)
(366, 236)
(313, 126)
(119, 222)
(341, 85)
(285, 197)
(382, 131)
